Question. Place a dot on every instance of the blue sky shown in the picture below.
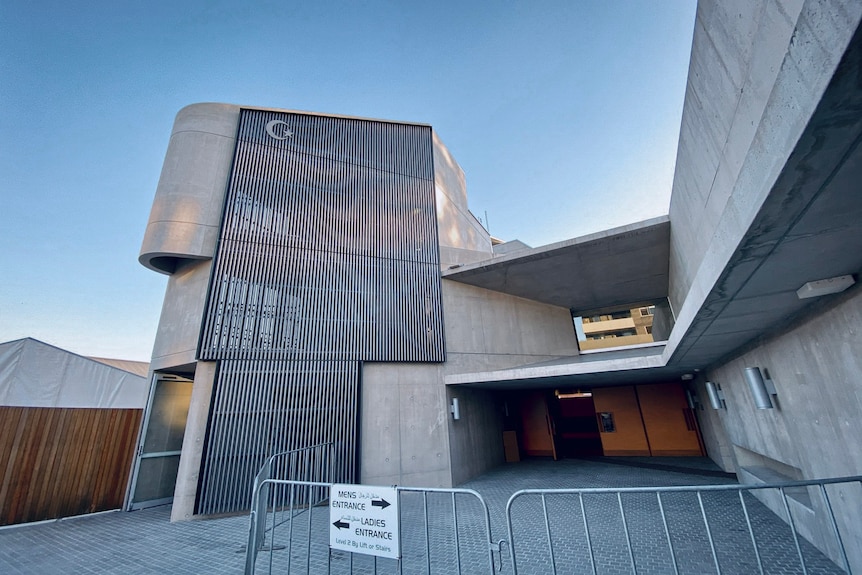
(564, 115)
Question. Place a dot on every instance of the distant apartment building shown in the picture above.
(614, 329)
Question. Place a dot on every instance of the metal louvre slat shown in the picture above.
(249, 417)
(327, 257)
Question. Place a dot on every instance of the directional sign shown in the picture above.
(364, 519)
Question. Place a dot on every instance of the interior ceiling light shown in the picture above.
(825, 287)
(570, 395)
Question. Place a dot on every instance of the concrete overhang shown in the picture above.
(618, 267)
(808, 228)
(640, 365)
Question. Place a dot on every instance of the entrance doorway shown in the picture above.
(158, 455)
(575, 423)
(643, 420)
(555, 424)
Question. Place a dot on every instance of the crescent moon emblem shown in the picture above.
(285, 132)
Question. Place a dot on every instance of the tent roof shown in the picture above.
(36, 374)
(141, 368)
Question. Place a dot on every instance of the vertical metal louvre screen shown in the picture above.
(328, 256)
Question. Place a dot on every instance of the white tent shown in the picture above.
(36, 374)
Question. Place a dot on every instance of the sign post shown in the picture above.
(364, 519)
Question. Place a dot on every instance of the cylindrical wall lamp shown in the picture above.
(716, 397)
(455, 408)
(691, 398)
(758, 388)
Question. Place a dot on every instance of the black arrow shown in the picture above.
(381, 503)
(341, 524)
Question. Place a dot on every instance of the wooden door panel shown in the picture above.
(664, 408)
(536, 439)
(629, 437)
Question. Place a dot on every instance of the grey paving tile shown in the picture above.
(144, 542)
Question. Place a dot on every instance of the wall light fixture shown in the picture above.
(760, 389)
(455, 408)
(716, 396)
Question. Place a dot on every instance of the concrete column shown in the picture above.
(193, 442)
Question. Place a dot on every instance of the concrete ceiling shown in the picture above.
(618, 267)
(809, 228)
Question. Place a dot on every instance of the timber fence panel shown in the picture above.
(58, 462)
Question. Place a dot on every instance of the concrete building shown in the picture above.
(328, 283)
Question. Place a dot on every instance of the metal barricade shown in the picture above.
(470, 531)
(703, 529)
(440, 531)
(308, 464)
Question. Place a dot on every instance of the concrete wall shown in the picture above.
(486, 331)
(186, 214)
(182, 313)
(490, 329)
(183, 228)
(403, 437)
(462, 237)
(476, 439)
(757, 72)
(408, 436)
(716, 442)
(814, 430)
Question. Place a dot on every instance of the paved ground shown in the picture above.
(146, 542)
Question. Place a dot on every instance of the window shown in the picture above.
(606, 422)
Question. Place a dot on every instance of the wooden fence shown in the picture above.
(59, 462)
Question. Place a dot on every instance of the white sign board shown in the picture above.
(364, 519)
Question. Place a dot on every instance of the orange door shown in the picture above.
(536, 430)
(620, 424)
(669, 423)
